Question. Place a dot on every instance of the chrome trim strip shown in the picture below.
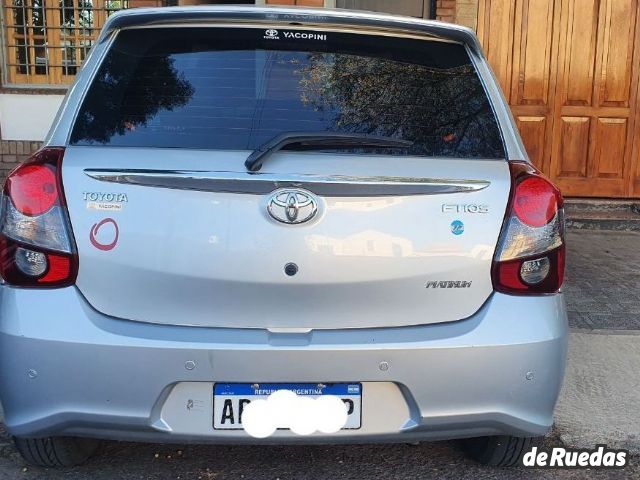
(261, 183)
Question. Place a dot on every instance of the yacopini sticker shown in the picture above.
(107, 206)
(99, 227)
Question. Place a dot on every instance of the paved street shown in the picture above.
(603, 280)
(389, 462)
(602, 293)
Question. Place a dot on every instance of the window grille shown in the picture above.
(47, 40)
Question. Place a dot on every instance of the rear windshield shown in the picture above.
(236, 88)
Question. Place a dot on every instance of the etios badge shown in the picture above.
(292, 206)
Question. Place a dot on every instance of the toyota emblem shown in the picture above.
(292, 206)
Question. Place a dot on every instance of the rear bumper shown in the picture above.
(69, 370)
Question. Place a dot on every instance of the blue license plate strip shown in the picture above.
(230, 398)
(303, 389)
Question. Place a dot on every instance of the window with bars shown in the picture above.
(46, 41)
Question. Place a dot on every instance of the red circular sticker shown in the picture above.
(94, 233)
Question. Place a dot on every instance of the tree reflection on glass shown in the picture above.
(444, 111)
(110, 109)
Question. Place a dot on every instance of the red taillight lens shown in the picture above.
(36, 246)
(531, 251)
(535, 201)
(60, 267)
(33, 189)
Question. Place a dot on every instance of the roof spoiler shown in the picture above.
(293, 17)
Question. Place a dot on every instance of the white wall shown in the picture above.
(27, 117)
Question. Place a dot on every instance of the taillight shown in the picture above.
(36, 245)
(531, 249)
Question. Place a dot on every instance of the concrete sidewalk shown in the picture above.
(600, 401)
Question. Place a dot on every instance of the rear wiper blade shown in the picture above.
(320, 140)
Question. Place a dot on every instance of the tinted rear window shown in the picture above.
(220, 88)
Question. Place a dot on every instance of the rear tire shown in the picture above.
(498, 451)
(56, 451)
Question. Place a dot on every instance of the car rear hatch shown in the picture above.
(172, 227)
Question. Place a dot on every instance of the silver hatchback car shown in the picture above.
(235, 201)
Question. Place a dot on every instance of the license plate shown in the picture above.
(229, 399)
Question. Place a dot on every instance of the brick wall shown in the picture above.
(463, 12)
(13, 152)
(446, 10)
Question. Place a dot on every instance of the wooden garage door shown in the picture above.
(570, 70)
